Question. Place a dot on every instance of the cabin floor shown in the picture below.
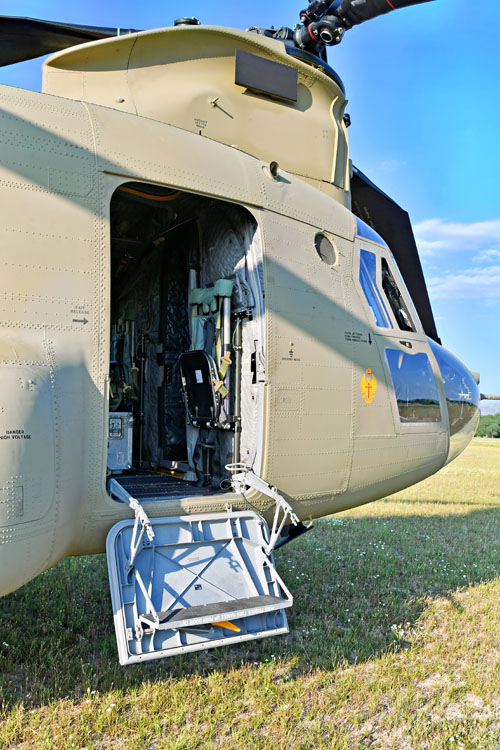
(152, 487)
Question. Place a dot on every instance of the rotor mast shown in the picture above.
(325, 22)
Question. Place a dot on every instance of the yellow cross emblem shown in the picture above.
(368, 386)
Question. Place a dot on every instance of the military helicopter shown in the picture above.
(210, 334)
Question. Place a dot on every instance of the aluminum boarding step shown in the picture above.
(187, 583)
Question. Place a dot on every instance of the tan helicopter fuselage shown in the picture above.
(161, 108)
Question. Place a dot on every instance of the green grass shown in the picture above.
(394, 642)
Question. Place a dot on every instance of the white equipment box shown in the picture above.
(120, 431)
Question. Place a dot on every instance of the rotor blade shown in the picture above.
(392, 223)
(357, 11)
(26, 38)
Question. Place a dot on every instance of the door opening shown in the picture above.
(184, 306)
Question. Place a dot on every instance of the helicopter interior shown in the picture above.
(186, 334)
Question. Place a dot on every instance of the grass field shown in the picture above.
(394, 642)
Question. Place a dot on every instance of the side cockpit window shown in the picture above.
(382, 286)
(414, 385)
(395, 299)
(368, 281)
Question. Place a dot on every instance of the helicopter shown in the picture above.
(211, 335)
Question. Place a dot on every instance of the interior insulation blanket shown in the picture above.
(174, 339)
(224, 243)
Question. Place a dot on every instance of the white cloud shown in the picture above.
(385, 166)
(439, 236)
(476, 243)
(477, 283)
(487, 255)
(390, 166)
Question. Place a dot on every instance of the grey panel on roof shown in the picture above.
(264, 76)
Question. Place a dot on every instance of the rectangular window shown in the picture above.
(395, 299)
(368, 281)
(414, 385)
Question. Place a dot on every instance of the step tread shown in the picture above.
(227, 610)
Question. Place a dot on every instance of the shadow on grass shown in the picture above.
(417, 501)
(352, 579)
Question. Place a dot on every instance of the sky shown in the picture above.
(424, 101)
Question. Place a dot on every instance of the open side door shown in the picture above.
(191, 583)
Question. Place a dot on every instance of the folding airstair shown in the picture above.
(187, 583)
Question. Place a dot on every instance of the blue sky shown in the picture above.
(424, 100)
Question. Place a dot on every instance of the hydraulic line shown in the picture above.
(237, 347)
(150, 196)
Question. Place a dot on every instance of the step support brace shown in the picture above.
(243, 478)
(141, 518)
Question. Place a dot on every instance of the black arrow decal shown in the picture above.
(84, 321)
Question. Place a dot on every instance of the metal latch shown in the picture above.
(244, 478)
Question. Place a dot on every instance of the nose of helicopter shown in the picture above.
(462, 399)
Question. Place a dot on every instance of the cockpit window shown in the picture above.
(395, 298)
(414, 385)
(368, 281)
(461, 391)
